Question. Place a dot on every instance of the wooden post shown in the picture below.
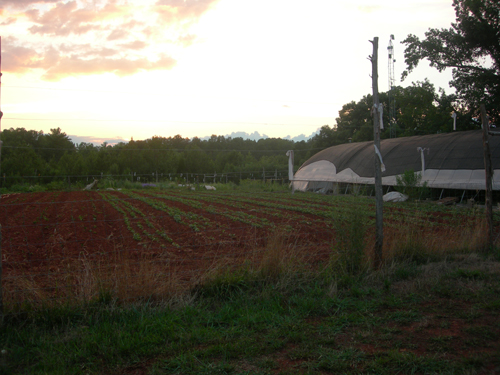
(1, 115)
(379, 240)
(489, 173)
(1, 291)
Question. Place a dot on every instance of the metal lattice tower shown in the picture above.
(392, 81)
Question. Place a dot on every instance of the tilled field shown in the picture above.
(48, 238)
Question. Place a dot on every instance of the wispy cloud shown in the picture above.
(83, 61)
(182, 10)
(72, 66)
(67, 18)
(8, 21)
(136, 45)
(20, 4)
(186, 40)
(99, 36)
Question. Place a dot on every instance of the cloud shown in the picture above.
(182, 10)
(82, 37)
(123, 30)
(186, 40)
(83, 61)
(97, 141)
(118, 34)
(67, 18)
(71, 66)
(255, 136)
(17, 59)
(21, 4)
(8, 21)
(135, 45)
(301, 137)
(101, 52)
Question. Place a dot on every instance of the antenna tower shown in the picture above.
(392, 80)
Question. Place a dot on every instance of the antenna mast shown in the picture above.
(392, 80)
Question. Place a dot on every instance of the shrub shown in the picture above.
(409, 183)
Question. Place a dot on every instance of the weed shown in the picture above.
(348, 259)
(409, 183)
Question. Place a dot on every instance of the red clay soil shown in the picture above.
(48, 237)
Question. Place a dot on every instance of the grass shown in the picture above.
(432, 308)
(266, 317)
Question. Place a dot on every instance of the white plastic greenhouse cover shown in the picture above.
(450, 161)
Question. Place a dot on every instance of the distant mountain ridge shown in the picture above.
(255, 136)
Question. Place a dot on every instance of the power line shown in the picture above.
(190, 96)
(151, 121)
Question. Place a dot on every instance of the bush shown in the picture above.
(56, 185)
(409, 183)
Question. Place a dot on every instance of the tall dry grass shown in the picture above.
(409, 242)
(283, 261)
(126, 277)
(279, 262)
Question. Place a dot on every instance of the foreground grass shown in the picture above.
(421, 318)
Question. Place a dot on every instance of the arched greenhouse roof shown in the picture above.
(451, 160)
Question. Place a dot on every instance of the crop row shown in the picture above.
(331, 208)
(194, 221)
(129, 211)
(233, 215)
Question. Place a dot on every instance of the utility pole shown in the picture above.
(489, 174)
(1, 114)
(379, 240)
(392, 80)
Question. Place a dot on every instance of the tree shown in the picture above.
(355, 119)
(55, 144)
(325, 138)
(471, 48)
(420, 110)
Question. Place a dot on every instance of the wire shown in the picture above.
(168, 95)
(175, 121)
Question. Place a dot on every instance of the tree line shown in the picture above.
(33, 154)
(30, 153)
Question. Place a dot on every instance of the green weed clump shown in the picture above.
(349, 258)
(409, 183)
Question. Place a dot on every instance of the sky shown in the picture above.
(115, 70)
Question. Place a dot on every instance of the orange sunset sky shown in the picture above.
(109, 70)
